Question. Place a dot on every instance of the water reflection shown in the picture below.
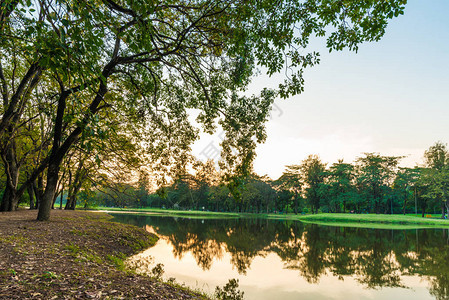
(374, 258)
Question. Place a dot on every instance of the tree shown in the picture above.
(313, 174)
(375, 174)
(436, 176)
(291, 181)
(257, 194)
(220, 197)
(205, 177)
(161, 59)
(405, 184)
(340, 182)
(21, 147)
(437, 156)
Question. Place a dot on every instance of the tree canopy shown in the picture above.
(373, 183)
(67, 66)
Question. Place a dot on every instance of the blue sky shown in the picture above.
(391, 97)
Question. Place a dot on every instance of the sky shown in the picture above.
(391, 97)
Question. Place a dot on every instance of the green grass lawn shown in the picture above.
(353, 219)
(168, 212)
(331, 219)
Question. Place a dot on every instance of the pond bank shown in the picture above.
(74, 255)
(373, 220)
(333, 219)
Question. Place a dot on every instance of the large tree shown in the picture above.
(405, 185)
(158, 60)
(375, 175)
(340, 185)
(313, 174)
(436, 175)
(291, 181)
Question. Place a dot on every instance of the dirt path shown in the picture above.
(76, 255)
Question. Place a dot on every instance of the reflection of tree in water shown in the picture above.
(341, 257)
(376, 258)
(248, 240)
(203, 250)
(435, 263)
(378, 269)
(305, 253)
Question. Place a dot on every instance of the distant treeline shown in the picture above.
(372, 184)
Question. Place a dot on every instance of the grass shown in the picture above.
(368, 220)
(170, 212)
(372, 225)
(380, 221)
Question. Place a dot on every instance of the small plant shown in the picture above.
(117, 261)
(171, 280)
(73, 249)
(158, 271)
(49, 275)
(12, 272)
(77, 232)
(229, 291)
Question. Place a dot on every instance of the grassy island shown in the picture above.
(371, 220)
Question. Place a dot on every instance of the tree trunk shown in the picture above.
(50, 190)
(405, 204)
(31, 194)
(62, 195)
(423, 209)
(59, 148)
(55, 197)
(296, 203)
(75, 187)
(36, 194)
(39, 190)
(68, 204)
(5, 200)
(73, 201)
(69, 192)
(14, 107)
(10, 199)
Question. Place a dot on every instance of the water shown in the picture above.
(291, 260)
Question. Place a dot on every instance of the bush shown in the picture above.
(229, 291)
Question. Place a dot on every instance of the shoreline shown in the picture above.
(381, 221)
(77, 254)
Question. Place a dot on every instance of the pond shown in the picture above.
(276, 259)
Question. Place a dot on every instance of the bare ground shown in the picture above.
(75, 255)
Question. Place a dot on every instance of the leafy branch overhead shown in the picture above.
(155, 61)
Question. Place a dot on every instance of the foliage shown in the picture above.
(158, 271)
(313, 177)
(375, 175)
(229, 291)
(80, 80)
(373, 184)
(435, 178)
(290, 181)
